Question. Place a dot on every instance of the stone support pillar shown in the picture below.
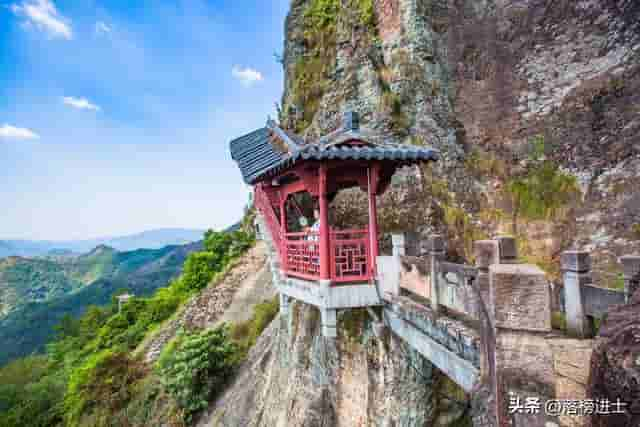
(328, 317)
(576, 266)
(329, 320)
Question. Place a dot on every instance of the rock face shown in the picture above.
(469, 77)
(615, 365)
(295, 377)
(478, 80)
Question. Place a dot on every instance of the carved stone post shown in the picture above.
(522, 311)
(576, 266)
(631, 271)
(508, 249)
(486, 253)
(391, 271)
(399, 244)
(436, 252)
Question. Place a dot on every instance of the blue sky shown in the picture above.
(115, 116)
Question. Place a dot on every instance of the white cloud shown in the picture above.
(12, 132)
(103, 28)
(247, 76)
(43, 15)
(79, 103)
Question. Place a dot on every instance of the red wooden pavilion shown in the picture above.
(279, 165)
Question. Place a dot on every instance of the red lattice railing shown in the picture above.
(350, 260)
(302, 255)
(299, 253)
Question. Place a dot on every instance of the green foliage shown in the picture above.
(27, 395)
(618, 283)
(321, 14)
(485, 165)
(104, 383)
(87, 377)
(246, 333)
(558, 321)
(352, 323)
(367, 13)
(24, 281)
(464, 230)
(537, 148)
(543, 192)
(199, 269)
(31, 325)
(635, 229)
(220, 249)
(312, 72)
(199, 366)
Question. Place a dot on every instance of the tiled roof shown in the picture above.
(255, 154)
(257, 158)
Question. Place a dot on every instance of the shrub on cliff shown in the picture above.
(102, 386)
(197, 367)
(220, 249)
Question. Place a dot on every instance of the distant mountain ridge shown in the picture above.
(36, 293)
(151, 239)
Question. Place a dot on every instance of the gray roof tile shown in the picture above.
(257, 158)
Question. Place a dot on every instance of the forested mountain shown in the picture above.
(90, 374)
(36, 293)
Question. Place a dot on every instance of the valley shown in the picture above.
(37, 293)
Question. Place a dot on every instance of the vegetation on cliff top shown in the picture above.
(312, 72)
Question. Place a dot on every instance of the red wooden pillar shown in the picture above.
(324, 224)
(283, 230)
(372, 184)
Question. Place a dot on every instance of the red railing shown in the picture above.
(349, 257)
(302, 255)
(350, 260)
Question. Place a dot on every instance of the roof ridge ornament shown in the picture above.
(351, 121)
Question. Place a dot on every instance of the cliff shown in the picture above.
(513, 93)
(295, 377)
(534, 107)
